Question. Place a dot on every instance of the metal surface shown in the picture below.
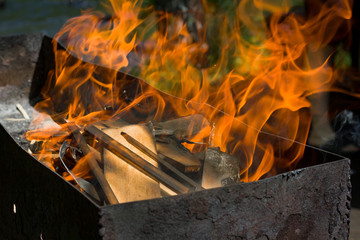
(45, 203)
(35, 202)
(311, 203)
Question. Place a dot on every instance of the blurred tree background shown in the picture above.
(47, 16)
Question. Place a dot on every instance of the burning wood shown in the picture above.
(159, 159)
(93, 160)
(135, 160)
(128, 183)
(125, 159)
(179, 156)
(220, 169)
(79, 181)
(129, 153)
(182, 129)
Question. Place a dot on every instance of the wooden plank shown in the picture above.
(153, 155)
(135, 160)
(177, 155)
(181, 128)
(128, 183)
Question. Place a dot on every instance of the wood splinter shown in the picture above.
(22, 111)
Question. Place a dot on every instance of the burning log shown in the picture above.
(220, 169)
(171, 134)
(136, 161)
(97, 171)
(177, 155)
(159, 159)
(181, 128)
(128, 183)
(92, 160)
(84, 185)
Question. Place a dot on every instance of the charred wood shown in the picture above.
(181, 128)
(94, 166)
(92, 160)
(220, 169)
(177, 155)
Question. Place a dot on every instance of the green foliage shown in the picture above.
(342, 57)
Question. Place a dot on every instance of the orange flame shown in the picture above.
(259, 80)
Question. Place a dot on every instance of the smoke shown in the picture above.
(347, 129)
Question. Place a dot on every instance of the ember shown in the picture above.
(200, 114)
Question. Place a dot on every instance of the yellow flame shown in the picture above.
(251, 64)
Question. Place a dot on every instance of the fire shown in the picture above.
(248, 72)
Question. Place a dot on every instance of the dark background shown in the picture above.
(47, 16)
